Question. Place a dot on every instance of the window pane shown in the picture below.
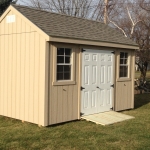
(60, 68)
(121, 61)
(60, 51)
(67, 68)
(125, 61)
(67, 76)
(126, 55)
(121, 54)
(67, 59)
(60, 59)
(67, 51)
(123, 64)
(63, 63)
(123, 71)
(59, 76)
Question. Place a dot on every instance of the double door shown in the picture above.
(97, 81)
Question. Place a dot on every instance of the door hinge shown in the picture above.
(83, 50)
(82, 88)
(112, 86)
(81, 114)
(111, 108)
(113, 52)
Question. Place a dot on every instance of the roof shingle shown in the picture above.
(58, 25)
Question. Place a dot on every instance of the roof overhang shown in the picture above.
(94, 43)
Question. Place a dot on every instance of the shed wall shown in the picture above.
(124, 90)
(64, 99)
(22, 71)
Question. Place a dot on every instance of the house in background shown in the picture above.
(55, 68)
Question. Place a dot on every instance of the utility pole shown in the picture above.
(106, 11)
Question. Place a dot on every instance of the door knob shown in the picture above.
(97, 87)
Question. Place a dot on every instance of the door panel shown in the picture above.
(86, 75)
(109, 74)
(86, 99)
(94, 98)
(102, 74)
(97, 78)
(108, 97)
(94, 74)
(101, 97)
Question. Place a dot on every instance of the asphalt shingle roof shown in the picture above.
(58, 25)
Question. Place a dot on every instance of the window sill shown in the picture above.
(123, 79)
(64, 83)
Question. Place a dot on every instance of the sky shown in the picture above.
(21, 3)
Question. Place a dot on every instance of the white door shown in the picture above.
(97, 81)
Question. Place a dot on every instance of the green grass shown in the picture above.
(81, 135)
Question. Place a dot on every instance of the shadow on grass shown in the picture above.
(141, 100)
(63, 123)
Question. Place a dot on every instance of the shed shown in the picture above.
(56, 68)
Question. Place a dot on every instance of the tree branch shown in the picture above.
(117, 27)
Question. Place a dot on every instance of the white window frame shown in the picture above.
(66, 64)
(125, 65)
(128, 78)
(54, 53)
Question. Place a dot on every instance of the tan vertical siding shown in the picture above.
(47, 74)
(133, 76)
(8, 70)
(27, 74)
(14, 61)
(18, 65)
(123, 95)
(63, 99)
(22, 71)
(36, 78)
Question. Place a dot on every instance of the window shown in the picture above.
(123, 64)
(64, 64)
(64, 57)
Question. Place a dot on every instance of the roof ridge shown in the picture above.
(34, 8)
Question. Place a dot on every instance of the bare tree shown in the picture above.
(125, 16)
(142, 35)
(91, 9)
(145, 4)
(132, 19)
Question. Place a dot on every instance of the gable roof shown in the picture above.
(63, 26)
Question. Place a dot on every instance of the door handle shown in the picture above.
(97, 87)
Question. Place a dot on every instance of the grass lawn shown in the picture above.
(80, 135)
(137, 74)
